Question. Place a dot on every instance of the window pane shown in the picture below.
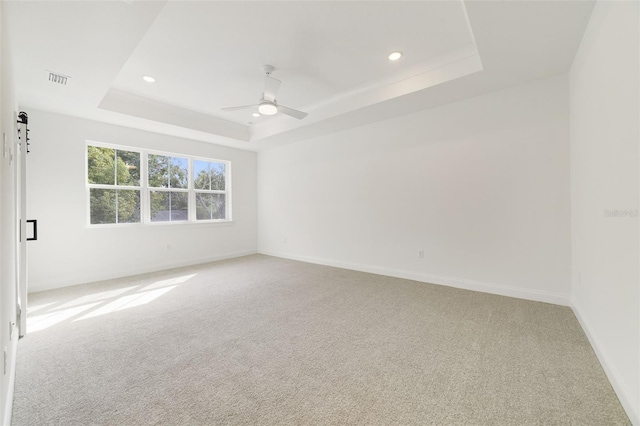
(101, 165)
(158, 171)
(128, 165)
(128, 206)
(209, 175)
(103, 205)
(179, 172)
(217, 176)
(201, 177)
(114, 206)
(169, 206)
(168, 172)
(210, 206)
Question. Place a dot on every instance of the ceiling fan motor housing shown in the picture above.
(268, 69)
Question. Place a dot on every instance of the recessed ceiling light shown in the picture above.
(149, 79)
(394, 56)
(256, 114)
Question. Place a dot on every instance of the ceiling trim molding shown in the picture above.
(138, 106)
(446, 68)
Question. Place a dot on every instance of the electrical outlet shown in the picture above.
(420, 254)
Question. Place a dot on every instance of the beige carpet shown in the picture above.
(266, 341)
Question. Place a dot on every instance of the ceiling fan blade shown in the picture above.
(292, 112)
(237, 108)
(271, 86)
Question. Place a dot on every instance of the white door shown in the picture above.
(21, 214)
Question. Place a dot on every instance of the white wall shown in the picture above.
(604, 176)
(481, 185)
(69, 252)
(8, 226)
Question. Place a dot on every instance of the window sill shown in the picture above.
(214, 224)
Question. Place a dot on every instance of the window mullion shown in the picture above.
(185, 190)
(191, 187)
(145, 210)
(103, 186)
(227, 198)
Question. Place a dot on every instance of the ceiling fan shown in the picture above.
(268, 104)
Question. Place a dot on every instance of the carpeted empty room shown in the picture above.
(264, 340)
(372, 212)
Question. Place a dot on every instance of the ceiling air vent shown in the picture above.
(56, 78)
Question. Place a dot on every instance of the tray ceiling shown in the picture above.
(330, 56)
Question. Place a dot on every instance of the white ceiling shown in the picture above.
(330, 56)
(209, 55)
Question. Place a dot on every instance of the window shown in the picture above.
(210, 189)
(169, 193)
(137, 186)
(114, 185)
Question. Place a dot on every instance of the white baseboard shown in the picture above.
(8, 402)
(609, 368)
(484, 287)
(35, 287)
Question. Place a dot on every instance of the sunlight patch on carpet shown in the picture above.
(44, 321)
(126, 302)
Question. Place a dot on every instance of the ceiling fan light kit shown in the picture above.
(268, 104)
(267, 108)
(394, 56)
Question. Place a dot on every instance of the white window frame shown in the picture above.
(145, 189)
(226, 192)
(148, 189)
(90, 186)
